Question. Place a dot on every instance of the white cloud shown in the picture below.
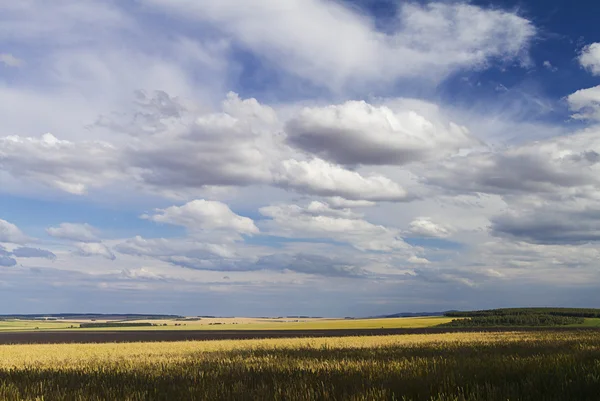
(166, 142)
(566, 165)
(11, 233)
(69, 166)
(169, 249)
(297, 222)
(360, 133)
(206, 216)
(534, 261)
(318, 177)
(590, 58)
(338, 202)
(233, 147)
(586, 103)
(428, 41)
(425, 227)
(10, 61)
(90, 249)
(74, 232)
(317, 208)
(137, 115)
(548, 65)
(415, 260)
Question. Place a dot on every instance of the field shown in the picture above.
(232, 324)
(591, 322)
(550, 365)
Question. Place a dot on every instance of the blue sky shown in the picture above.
(316, 157)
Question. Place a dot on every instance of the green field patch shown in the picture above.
(29, 325)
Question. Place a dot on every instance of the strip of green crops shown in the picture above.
(507, 366)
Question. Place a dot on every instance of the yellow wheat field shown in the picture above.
(74, 355)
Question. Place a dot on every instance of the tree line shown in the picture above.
(567, 312)
(523, 320)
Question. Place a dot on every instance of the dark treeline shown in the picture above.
(522, 320)
(568, 312)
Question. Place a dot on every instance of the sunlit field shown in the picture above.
(236, 324)
(246, 324)
(461, 366)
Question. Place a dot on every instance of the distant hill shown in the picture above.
(411, 314)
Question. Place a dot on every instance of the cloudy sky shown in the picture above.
(323, 157)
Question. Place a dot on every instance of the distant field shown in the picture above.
(236, 324)
(550, 366)
(589, 322)
(27, 325)
(247, 324)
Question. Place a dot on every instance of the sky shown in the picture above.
(315, 157)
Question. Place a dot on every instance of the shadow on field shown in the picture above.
(74, 336)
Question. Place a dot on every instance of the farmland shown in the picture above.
(548, 365)
(226, 324)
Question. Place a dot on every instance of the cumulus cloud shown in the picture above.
(586, 103)
(425, 227)
(203, 215)
(11, 233)
(567, 223)
(162, 144)
(90, 249)
(416, 260)
(297, 222)
(318, 177)
(559, 166)
(426, 41)
(317, 208)
(69, 166)
(360, 133)
(590, 58)
(74, 232)
(229, 148)
(338, 162)
(338, 202)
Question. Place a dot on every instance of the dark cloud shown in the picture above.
(360, 133)
(311, 264)
(550, 226)
(551, 167)
(5, 258)
(26, 252)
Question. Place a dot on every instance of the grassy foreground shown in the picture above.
(463, 366)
